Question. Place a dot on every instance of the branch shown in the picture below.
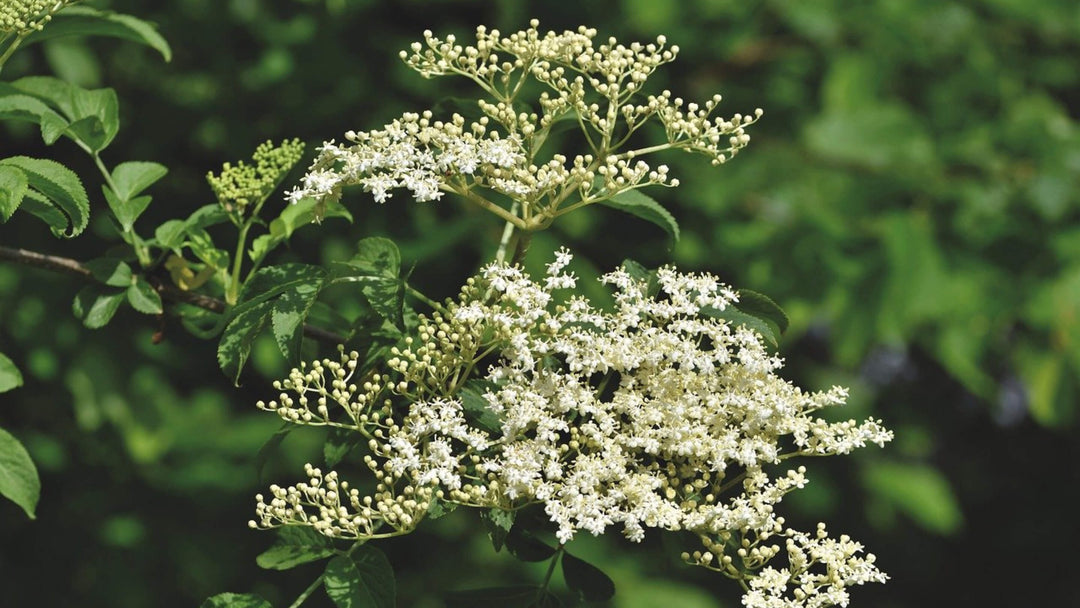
(168, 292)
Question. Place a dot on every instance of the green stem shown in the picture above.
(551, 570)
(307, 592)
(492, 207)
(504, 242)
(426, 300)
(233, 290)
(11, 49)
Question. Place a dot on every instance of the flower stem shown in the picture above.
(551, 570)
(307, 592)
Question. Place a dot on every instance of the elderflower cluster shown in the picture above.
(241, 186)
(598, 87)
(24, 16)
(658, 413)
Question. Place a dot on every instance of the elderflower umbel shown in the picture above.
(659, 413)
(596, 86)
(24, 16)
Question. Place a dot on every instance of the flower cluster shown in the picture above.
(598, 87)
(242, 186)
(659, 413)
(25, 16)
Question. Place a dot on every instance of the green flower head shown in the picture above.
(242, 186)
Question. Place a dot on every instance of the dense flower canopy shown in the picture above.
(659, 413)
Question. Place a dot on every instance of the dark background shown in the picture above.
(910, 198)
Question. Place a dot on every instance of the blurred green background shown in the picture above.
(910, 198)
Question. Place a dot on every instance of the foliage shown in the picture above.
(922, 187)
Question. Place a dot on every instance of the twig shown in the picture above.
(168, 292)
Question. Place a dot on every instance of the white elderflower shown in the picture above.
(598, 85)
(657, 413)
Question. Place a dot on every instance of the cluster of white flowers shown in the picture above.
(594, 86)
(25, 16)
(656, 414)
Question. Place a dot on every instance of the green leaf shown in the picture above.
(526, 547)
(376, 256)
(95, 305)
(919, 491)
(587, 579)
(498, 524)
(170, 235)
(293, 217)
(644, 206)
(206, 216)
(476, 407)
(273, 280)
(339, 442)
(59, 185)
(235, 600)
(15, 105)
(239, 335)
(363, 580)
(296, 545)
(19, 481)
(493, 597)
(10, 377)
(110, 271)
(13, 187)
(387, 297)
(287, 318)
(42, 208)
(766, 329)
(87, 21)
(762, 307)
(133, 177)
(94, 114)
(143, 297)
(270, 445)
(126, 212)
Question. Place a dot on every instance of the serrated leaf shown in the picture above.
(526, 547)
(110, 271)
(94, 114)
(133, 177)
(498, 523)
(144, 298)
(13, 187)
(644, 206)
(287, 318)
(762, 307)
(363, 580)
(40, 207)
(17, 106)
(19, 481)
(235, 600)
(87, 21)
(206, 216)
(387, 297)
(235, 345)
(439, 508)
(126, 212)
(376, 256)
(295, 546)
(10, 377)
(60, 186)
(95, 305)
(587, 579)
(270, 281)
(519, 596)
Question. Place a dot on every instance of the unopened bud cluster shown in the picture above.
(596, 86)
(242, 186)
(25, 16)
(657, 413)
